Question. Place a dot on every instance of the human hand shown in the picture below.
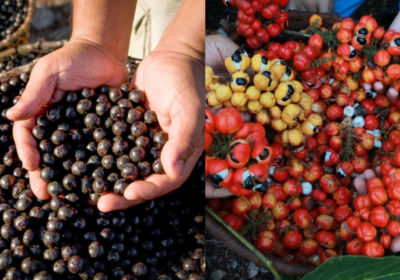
(218, 47)
(174, 87)
(212, 192)
(317, 6)
(391, 92)
(81, 63)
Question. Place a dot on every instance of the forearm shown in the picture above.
(186, 32)
(105, 22)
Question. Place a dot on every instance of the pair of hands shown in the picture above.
(173, 86)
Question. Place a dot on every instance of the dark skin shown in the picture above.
(172, 77)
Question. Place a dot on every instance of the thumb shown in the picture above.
(38, 91)
(185, 145)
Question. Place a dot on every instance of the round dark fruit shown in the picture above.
(137, 154)
(136, 96)
(84, 106)
(138, 128)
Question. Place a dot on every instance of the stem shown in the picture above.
(267, 262)
(295, 33)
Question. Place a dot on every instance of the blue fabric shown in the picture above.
(346, 8)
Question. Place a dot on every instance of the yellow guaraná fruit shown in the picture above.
(254, 106)
(213, 86)
(275, 112)
(238, 61)
(212, 100)
(267, 99)
(311, 123)
(306, 102)
(253, 93)
(288, 76)
(262, 117)
(239, 81)
(283, 93)
(209, 76)
(266, 80)
(292, 136)
(278, 125)
(260, 63)
(223, 93)
(292, 114)
(238, 99)
(278, 67)
(350, 83)
(298, 87)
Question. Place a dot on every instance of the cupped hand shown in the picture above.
(174, 86)
(81, 63)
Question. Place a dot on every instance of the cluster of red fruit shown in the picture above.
(238, 155)
(259, 20)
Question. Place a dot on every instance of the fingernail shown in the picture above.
(179, 167)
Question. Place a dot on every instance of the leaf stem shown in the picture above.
(267, 262)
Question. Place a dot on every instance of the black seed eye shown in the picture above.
(234, 144)
(264, 60)
(361, 41)
(397, 41)
(286, 98)
(353, 53)
(265, 154)
(241, 81)
(248, 183)
(236, 57)
(233, 158)
(288, 71)
(363, 31)
(215, 180)
(266, 74)
(290, 89)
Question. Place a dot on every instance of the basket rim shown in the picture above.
(25, 25)
(230, 241)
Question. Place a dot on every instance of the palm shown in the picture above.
(173, 85)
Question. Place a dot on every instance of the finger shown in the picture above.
(212, 192)
(112, 202)
(392, 93)
(369, 174)
(218, 47)
(395, 245)
(38, 186)
(185, 144)
(38, 91)
(367, 86)
(378, 86)
(360, 185)
(26, 144)
(154, 186)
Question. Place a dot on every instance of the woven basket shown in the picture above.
(21, 35)
(230, 241)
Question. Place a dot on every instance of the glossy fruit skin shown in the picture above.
(366, 232)
(228, 121)
(326, 239)
(241, 205)
(234, 221)
(239, 154)
(379, 216)
(265, 241)
(292, 240)
(373, 249)
(355, 247)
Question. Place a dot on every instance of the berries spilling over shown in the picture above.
(260, 20)
(69, 238)
(103, 138)
(13, 14)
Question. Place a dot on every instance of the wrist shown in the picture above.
(119, 54)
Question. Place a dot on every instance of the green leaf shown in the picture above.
(357, 268)
(139, 23)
